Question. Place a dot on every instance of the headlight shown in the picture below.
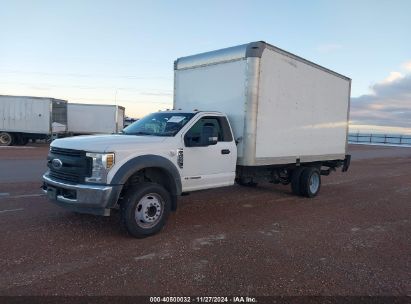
(102, 163)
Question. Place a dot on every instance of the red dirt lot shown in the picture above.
(352, 239)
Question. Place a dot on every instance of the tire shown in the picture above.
(6, 139)
(295, 180)
(20, 140)
(310, 182)
(145, 209)
(23, 141)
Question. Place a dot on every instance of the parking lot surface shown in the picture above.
(353, 239)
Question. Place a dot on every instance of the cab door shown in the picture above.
(209, 154)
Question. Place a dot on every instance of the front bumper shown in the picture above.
(82, 198)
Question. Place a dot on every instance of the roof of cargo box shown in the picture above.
(252, 49)
(33, 97)
(96, 105)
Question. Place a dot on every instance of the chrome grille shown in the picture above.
(75, 165)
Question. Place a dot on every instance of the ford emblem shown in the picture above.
(56, 163)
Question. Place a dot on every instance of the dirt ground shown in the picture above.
(353, 239)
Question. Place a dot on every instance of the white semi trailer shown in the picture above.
(23, 118)
(94, 118)
(251, 113)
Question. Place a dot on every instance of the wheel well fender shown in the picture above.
(139, 163)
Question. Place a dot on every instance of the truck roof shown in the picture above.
(252, 49)
(194, 111)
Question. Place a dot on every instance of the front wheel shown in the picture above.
(145, 209)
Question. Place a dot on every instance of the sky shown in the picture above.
(98, 51)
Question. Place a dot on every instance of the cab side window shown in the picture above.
(217, 126)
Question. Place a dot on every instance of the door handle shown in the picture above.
(225, 151)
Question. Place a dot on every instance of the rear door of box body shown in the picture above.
(59, 115)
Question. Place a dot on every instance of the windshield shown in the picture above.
(159, 124)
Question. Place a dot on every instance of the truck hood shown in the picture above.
(106, 143)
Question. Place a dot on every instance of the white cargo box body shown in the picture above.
(94, 118)
(34, 115)
(282, 108)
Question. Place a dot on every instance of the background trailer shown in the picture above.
(94, 118)
(23, 118)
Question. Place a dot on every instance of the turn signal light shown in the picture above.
(109, 161)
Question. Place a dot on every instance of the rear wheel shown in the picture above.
(310, 182)
(145, 209)
(6, 139)
(20, 140)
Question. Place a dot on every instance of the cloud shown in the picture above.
(407, 66)
(388, 105)
(328, 47)
(393, 76)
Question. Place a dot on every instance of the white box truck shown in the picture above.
(23, 118)
(94, 118)
(252, 113)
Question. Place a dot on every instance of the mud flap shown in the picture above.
(347, 162)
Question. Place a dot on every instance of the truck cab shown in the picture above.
(144, 169)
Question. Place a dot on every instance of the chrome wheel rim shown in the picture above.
(314, 182)
(149, 210)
